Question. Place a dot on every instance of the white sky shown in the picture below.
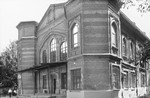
(14, 11)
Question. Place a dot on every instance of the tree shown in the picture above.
(8, 75)
(142, 6)
(146, 52)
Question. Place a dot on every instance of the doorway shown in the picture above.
(53, 84)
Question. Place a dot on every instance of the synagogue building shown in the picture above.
(82, 49)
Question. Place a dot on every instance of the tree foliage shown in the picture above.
(8, 62)
(146, 51)
(142, 6)
(143, 54)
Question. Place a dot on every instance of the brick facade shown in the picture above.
(95, 67)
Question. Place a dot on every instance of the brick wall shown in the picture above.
(95, 26)
(96, 74)
(27, 82)
(26, 44)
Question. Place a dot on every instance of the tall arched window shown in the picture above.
(44, 56)
(63, 51)
(131, 50)
(124, 47)
(53, 50)
(114, 34)
(75, 35)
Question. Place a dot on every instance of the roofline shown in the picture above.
(43, 17)
(25, 22)
(122, 15)
(51, 5)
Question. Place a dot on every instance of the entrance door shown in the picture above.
(53, 84)
(54, 88)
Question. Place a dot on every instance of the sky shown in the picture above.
(12, 12)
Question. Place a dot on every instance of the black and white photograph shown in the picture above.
(74, 48)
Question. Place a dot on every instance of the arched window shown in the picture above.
(75, 35)
(131, 50)
(53, 50)
(44, 57)
(63, 51)
(124, 47)
(114, 34)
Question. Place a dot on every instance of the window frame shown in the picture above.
(133, 79)
(125, 80)
(44, 77)
(53, 50)
(114, 36)
(114, 33)
(44, 56)
(143, 79)
(124, 46)
(75, 79)
(75, 34)
(130, 81)
(131, 56)
(113, 78)
(63, 81)
(63, 51)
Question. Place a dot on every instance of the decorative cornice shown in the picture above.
(105, 55)
(26, 22)
(25, 38)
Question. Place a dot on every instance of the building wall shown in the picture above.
(96, 56)
(132, 65)
(26, 56)
(55, 29)
(95, 45)
(49, 72)
(27, 53)
(95, 27)
(73, 16)
(96, 75)
(27, 83)
(26, 44)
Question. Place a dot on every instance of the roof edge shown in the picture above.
(134, 25)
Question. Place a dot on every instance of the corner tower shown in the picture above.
(26, 44)
(26, 56)
(93, 48)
